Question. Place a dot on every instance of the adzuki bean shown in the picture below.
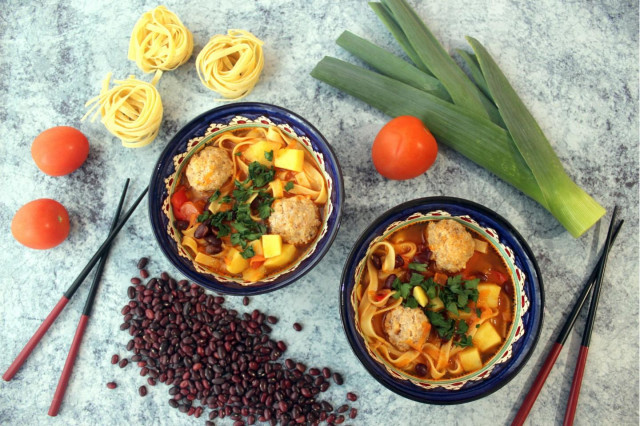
(218, 358)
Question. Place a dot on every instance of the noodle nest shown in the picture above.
(131, 110)
(231, 64)
(159, 41)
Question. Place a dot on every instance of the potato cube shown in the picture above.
(436, 304)
(257, 247)
(235, 262)
(284, 258)
(470, 359)
(290, 159)
(277, 188)
(420, 296)
(488, 295)
(271, 245)
(486, 337)
(254, 274)
(256, 152)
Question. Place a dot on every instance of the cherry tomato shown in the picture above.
(60, 150)
(403, 149)
(41, 224)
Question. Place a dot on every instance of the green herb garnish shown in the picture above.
(268, 155)
(419, 267)
(288, 186)
(215, 196)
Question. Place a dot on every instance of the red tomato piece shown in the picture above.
(41, 224)
(403, 149)
(178, 198)
(60, 150)
(496, 277)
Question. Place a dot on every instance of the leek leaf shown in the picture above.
(390, 65)
(478, 139)
(463, 92)
(573, 207)
(385, 16)
(476, 73)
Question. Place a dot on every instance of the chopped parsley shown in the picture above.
(215, 196)
(288, 186)
(239, 218)
(268, 155)
(420, 267)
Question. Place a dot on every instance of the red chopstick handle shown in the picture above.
(537, 385)
(58, 396)
(574, 393)
(33, 342)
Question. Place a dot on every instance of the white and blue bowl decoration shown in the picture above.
(202, 128)
(529, 306)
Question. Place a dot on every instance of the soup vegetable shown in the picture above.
(249, 203)
(435, 300)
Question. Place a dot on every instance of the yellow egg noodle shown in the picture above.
(131, 110)
(160, 41)
(231, 64)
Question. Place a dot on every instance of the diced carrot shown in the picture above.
(440, 278)
(256, 261)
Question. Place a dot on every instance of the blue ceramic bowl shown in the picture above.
(529, 309)
(247, 113)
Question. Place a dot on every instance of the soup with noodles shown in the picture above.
(435, 300)
(249, 203)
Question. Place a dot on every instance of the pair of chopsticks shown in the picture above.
(101, 256)
(594, 282)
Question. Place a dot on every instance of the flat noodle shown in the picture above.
(159, 41)
(231, 64)
(389, 261)
(406, 249)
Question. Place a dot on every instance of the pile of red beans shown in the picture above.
(220, 359)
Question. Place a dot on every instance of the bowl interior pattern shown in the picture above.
(528, 309)
(198, 132)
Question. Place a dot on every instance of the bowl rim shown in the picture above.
(239, 108)
(351, 262)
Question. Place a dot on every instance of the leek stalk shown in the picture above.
(514, 149)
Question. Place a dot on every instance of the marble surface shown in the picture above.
(575, 64)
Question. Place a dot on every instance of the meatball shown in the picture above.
(209, 169)
(451, 244)
(295, 219)
(404, 325)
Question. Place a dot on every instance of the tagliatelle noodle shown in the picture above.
(231, 64)
(131, 110)
(160, 41)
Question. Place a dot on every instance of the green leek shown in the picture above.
(565, 200)
(515, 149)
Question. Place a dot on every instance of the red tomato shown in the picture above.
(41, 224)
(403, 149)
(60, 150)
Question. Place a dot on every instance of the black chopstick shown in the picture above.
(58, 396)
(42, 330)
(576, 384)
(540, 379)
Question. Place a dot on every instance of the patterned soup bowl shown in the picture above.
(189, 140)
(527, 302)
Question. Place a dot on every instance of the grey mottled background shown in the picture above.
(575, 64)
